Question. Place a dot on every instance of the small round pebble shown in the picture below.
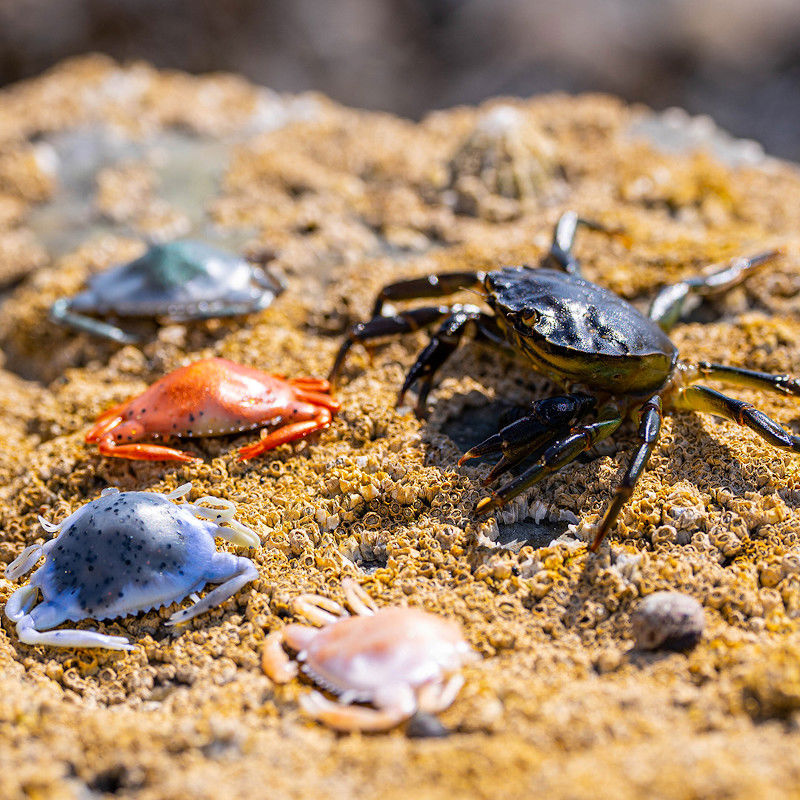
(668, 620)
(425, 726)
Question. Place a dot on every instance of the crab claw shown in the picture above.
(492, 445)
(488, 504)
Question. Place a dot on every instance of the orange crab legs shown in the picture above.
(111, 429)
(214, 397)
(320, 406)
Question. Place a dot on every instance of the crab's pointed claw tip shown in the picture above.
(488, 504)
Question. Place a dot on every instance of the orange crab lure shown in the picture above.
(214, 397)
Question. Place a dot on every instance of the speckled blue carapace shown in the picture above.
(123, 553)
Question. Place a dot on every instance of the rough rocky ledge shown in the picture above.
(94, 157)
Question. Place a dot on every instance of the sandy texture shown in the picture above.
(560, 704)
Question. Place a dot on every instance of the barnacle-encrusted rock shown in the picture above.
(507, 157)
(668, 620)
(346, 202)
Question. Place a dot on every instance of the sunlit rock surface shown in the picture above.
(97, 159)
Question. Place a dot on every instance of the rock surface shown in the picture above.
(94, 157)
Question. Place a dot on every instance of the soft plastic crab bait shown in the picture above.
(214, 397)
(124, 553)
(180, 281)
(398, 659)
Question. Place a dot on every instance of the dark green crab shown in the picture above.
(614, 361)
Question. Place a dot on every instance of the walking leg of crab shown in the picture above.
(668, 304)
(318, 609)
(61, 312)
(311, 384)
(546, 421)
(231, 572)
(320, 419)
(738, 376)
(437, 696)
(357, 599)
(379, 327)
(145, 452)
(24, 562)
(221, 511)
(33, 623)
(649, 430)
(274, 661)
(442, 345)
(438, 285)
(356, 718)
(110, 430)
(560, 255)
(555, 458)
(277, 666)
(701, 398)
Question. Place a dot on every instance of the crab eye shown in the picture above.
(530, 316)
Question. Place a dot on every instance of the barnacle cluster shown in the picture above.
(347, 202)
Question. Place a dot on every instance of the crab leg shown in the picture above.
(560, 255)
(19, 609)
(222, 511)
(317, 399)
(358, 600)
(232, 572)
(649, 430)
(145, 452)
(378, 327)
(28, 634)
(61, 312)
(442, 345)
(667, 306)
(701, 398)
(555, 458)
(277, 666)
(351, 718)
(546, 421)
(430, 286)
(287, 433)
(310, 384)
(106, 441)
(24, 562)
(105, 422)
(318, 609)
(738, 376)
(435, 697)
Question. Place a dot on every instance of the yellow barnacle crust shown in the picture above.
(560, 704)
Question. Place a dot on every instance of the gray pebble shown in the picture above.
(668, 620)
(425, 726)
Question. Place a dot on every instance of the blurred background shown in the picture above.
(737, 60)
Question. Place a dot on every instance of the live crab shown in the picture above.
(614, 361)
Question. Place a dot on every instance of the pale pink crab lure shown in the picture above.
(399, 659)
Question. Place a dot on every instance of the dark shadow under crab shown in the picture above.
(613, 361)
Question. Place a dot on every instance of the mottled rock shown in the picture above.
(669, 621)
